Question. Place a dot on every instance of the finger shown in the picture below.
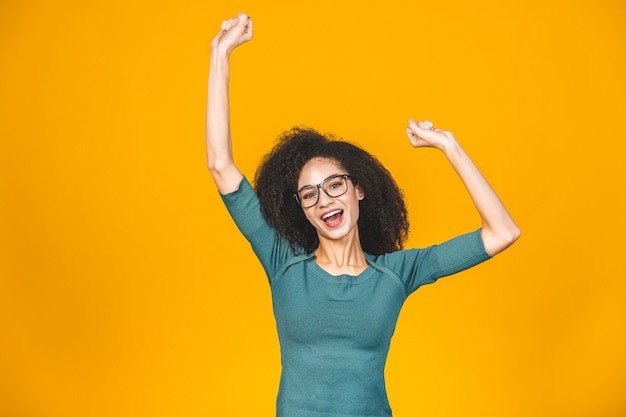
(411, 135)
(244, 26)
(425, 124)
(227, 25)
(248, 30)
(420, 126)
(245, 23)
(242, 19)
(423, 131)
(413, 126)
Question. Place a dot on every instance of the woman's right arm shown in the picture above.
(233, 33)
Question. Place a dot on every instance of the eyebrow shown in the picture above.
(325, 179)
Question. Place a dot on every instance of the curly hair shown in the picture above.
(383, 220)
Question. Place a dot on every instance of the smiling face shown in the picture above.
(334, 218)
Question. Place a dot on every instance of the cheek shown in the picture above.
(357, 210)
(353, 200)
(309, 216)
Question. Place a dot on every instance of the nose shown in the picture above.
(324, 198)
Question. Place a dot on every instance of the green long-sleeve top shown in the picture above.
(335, 331)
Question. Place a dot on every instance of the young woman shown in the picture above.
(327, 221)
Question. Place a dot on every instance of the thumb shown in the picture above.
(421, 126)
(242, 20)
(244, 26)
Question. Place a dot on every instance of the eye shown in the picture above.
(335, 183)
(308, 194)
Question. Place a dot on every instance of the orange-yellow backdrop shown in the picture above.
(125, 290)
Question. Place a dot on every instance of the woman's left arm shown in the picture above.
(499, 230)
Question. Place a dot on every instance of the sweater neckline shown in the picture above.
(343, 278)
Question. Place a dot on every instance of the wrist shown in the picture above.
(219, 52)
(449, 146)
(219, 64)
(219, 56)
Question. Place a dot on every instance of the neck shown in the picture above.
(343, 256)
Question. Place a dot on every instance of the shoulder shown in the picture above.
(398, 259)
(397, 265)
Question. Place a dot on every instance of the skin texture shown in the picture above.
(339, 249)
(233, 32)
(339, 240)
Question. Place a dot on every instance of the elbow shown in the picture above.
(213, 168)
(215, 171)
(497, 242)
(512, 235)
(216, 167)
(218, 172)
(211, 162)
(225, 174)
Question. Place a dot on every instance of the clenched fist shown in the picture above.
(233, 32)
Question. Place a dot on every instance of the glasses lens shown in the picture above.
(336, 186)
(308, 196)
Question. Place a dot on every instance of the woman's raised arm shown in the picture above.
(233, 33)
(499, 230)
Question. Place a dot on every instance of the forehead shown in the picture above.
(317, 170)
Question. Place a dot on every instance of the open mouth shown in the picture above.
(332, 216)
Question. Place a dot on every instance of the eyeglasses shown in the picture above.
(333, 186)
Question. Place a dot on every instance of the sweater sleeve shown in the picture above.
(270, 248)
(417, 267)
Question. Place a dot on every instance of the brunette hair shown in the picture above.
(383, 221)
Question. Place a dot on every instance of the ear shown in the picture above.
(359, 192)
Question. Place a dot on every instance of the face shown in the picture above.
(333, 217)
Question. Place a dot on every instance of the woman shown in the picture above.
(328, 227)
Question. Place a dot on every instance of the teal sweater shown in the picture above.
(335, 331)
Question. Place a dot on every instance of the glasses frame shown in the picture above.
(320, 186)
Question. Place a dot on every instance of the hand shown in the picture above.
(423, 134)
(234, 32)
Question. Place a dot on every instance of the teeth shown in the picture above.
(332, 213)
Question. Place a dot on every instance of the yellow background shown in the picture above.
(125, 289)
